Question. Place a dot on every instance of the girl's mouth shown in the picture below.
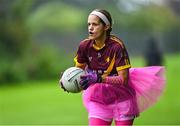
(90, 33)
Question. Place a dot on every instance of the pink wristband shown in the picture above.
(113, 79)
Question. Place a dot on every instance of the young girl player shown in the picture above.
(112, 89)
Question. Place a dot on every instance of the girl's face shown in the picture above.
(96, 28)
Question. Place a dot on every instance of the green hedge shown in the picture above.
(39, 63)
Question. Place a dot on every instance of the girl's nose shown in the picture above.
(90, 27)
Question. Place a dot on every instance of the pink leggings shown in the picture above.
(98, 122)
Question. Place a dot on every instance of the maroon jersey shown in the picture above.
(109, 59)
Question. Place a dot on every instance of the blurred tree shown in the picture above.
(151, 19)
(173, 35)
(64, 23)
(14, 38)
(56, 16)
(172, 38)
(14, 35)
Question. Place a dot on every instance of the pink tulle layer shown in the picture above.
(146, 84)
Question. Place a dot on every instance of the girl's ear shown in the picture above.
(106, 27)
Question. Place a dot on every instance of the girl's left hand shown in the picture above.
(88, 79)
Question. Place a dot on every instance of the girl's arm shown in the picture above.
(121, 78)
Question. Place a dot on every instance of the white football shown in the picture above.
(71, 78)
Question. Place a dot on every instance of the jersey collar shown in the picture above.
(96, 47)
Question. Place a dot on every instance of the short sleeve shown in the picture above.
(81, 57)
(122, 58)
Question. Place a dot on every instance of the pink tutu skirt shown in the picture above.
(145, 86)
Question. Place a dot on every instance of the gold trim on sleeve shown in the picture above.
(77, 64)
(123, 67)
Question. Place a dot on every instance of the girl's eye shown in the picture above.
(94, 24)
